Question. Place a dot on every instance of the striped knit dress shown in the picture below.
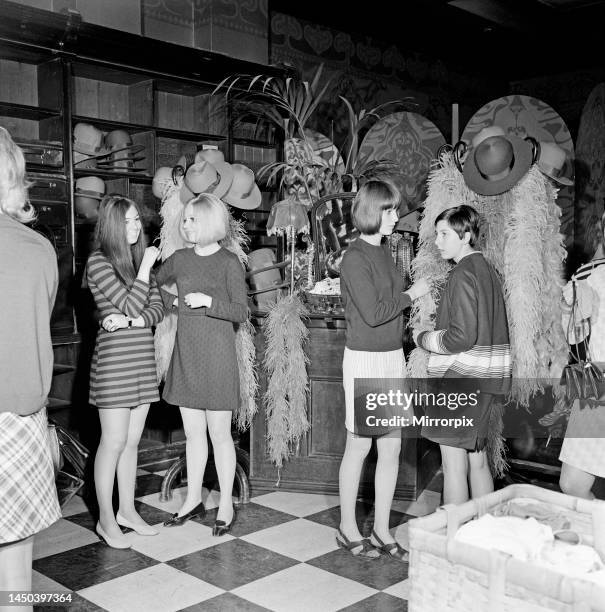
(123, 371)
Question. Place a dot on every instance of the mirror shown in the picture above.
(333, 231)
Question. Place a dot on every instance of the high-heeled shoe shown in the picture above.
(144, 530)
(175, 520)
(110, 541)
(220, 528)
(393, 549)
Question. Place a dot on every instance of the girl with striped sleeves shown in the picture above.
(123, 378)
(470, 342)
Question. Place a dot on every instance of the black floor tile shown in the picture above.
(378, 573)
(148, 484)
(77, 604)
(232, 564)
(250, 518)
(227, 602)
(381, 602)
(91, 564)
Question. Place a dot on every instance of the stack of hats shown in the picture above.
(497, 161)
(88, 145)
(208, 172)
(113, 151)
(89, 191)
(122, 152)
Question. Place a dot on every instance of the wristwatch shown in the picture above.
(129, 322)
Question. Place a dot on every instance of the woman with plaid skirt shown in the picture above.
(28, 286)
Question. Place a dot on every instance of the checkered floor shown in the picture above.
(281, 555)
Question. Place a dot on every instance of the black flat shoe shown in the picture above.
(177, 520)
(393, 549)
(221, 528)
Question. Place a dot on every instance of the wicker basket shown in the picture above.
(447, 575)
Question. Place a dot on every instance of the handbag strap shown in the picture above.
(573, 347)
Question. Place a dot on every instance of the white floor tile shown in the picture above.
(299, 539)
(210, 499)
(173, 542)
(43, 584)
(401, 589)
(160, 587)
(427, 503)
(61, 536)
(74, 506)
(298, 504)
(302, 588)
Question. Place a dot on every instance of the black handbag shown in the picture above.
(582, 378)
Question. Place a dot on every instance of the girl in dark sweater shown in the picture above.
(374, 300)
(470, 341)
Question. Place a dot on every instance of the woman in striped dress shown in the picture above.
(123, 378)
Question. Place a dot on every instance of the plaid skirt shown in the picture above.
(28, 496)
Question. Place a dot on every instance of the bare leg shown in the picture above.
(480, 476)
(127, 464)
(385, 480)
(114, 433)
(356, 451)
(455, 474)
(16, 570)
(194, 423)
(575, 481)
(219, 427)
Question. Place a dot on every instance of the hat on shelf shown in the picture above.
(88, 142)
(122, 152)
(223, 168)
(83, 161)
(551, 162)
(244, 192)
(496, 162)
(89, 191)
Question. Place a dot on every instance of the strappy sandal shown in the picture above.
(366, 549)
(393, 549)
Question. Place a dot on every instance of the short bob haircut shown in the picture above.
(212, 215)
(13, 186)
(462, 219)
(370, 202)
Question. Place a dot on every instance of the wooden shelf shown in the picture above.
(139, 177)
(24, 111)
(252, 142)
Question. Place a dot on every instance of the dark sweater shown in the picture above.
(471, 335)
(371, 289)
(28, 286)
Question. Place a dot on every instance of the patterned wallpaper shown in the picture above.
(370, 72)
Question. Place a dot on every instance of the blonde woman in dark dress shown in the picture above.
(203, 376)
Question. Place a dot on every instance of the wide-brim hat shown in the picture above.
(496, 161)
(120, 140)
(223, 168)
(90, 187)
(202, 177)
(551, 162)
(112, 160)
(244, 192)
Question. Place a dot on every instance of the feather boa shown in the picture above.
(285, 363)
(236, 240)
(521, 239)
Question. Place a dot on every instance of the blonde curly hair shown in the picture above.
(13, 186)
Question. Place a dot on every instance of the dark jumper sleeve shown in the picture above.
(361, 289)
(165, 276)
(236, 308)
(102, 278)
(461, 333)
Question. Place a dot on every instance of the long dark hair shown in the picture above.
(110, 237)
